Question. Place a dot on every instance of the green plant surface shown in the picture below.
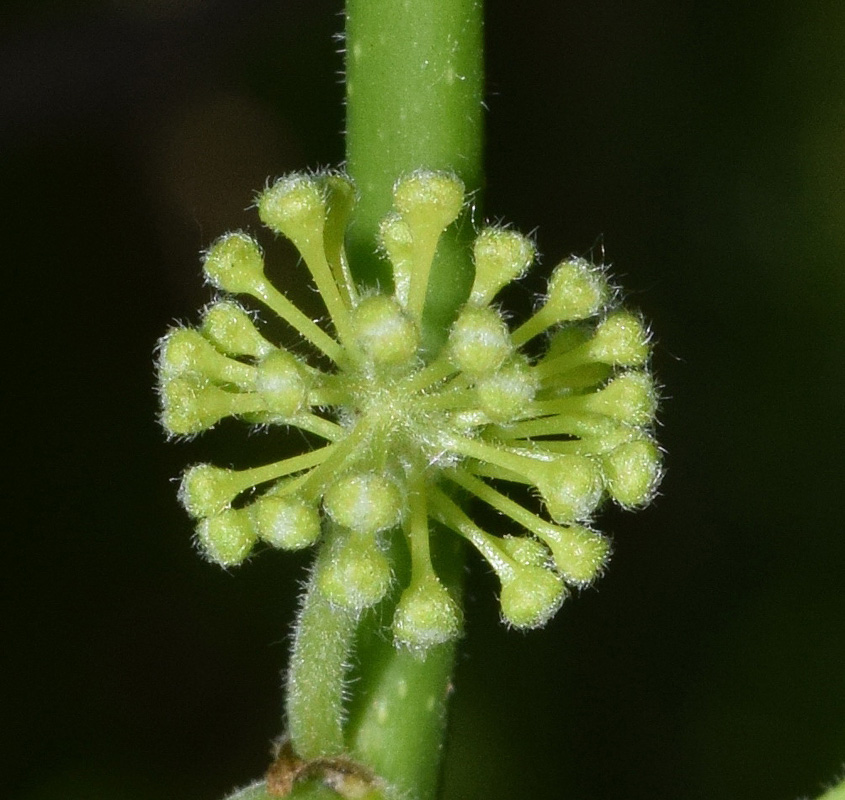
(414, 89)
(425, 392)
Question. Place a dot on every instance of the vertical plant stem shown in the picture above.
(316, 677)
(414, 82)
(414, 92)
(398, 714)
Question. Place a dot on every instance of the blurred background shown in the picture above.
(697, 147)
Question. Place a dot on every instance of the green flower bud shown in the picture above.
(364, 502)
(231, 330)
(530, 596)
(283, 384)
(228, 537)
(629, 398)
(632, 472)
(356, 573)
(579, 554)
(479, 341)
(183, 412)
(505, 394)
(234, 263)
(620, 340)
(185, 351)
(294, 206)
(385, 332)
(189, 406)
(429, 200)
(426, 615)
(570, 485)
(286, 522)
(577, 290)
(207, 490)
(501, 256)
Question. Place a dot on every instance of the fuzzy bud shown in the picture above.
(364, 502)
(231, 330)
(628, 398)
(579, 554)
(294, 206)
(286, 522)
(570, 485)
(530, 596)
(283, 384)
(385, 332)
(505, 394)
(430, 200)
(577, 290)
(227, 538)
(620, 340)
(500, 256)
(479, 341)
(426, 615)
(234, 263)
(207, 490)
(356, 573)
(632, 472)
(190, 406)
(186, 352)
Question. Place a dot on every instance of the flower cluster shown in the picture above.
(402, 428)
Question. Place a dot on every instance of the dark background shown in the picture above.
(699, 146)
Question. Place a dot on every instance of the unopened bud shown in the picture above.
(356, 573)
(429, 200)
(283, 383)
(579, 554)
(632, 472)
(294, 206)
(570, 485)
(506, 393)
(500, 256)
(530, 596)
(286, 522)
(385, 332)
(228, 537)
(479, 341)
(234, 263)
(364, 502)
(620, 340)
(426, 615)
(207, 490)
(231, 330)
(577, 290)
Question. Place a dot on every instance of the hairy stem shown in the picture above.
(322, 642)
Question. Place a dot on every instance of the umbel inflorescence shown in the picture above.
(404, 432)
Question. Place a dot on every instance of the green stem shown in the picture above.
(414, 78)
(397, 718)
(414, 82)
(316, 678)
(414, 101)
